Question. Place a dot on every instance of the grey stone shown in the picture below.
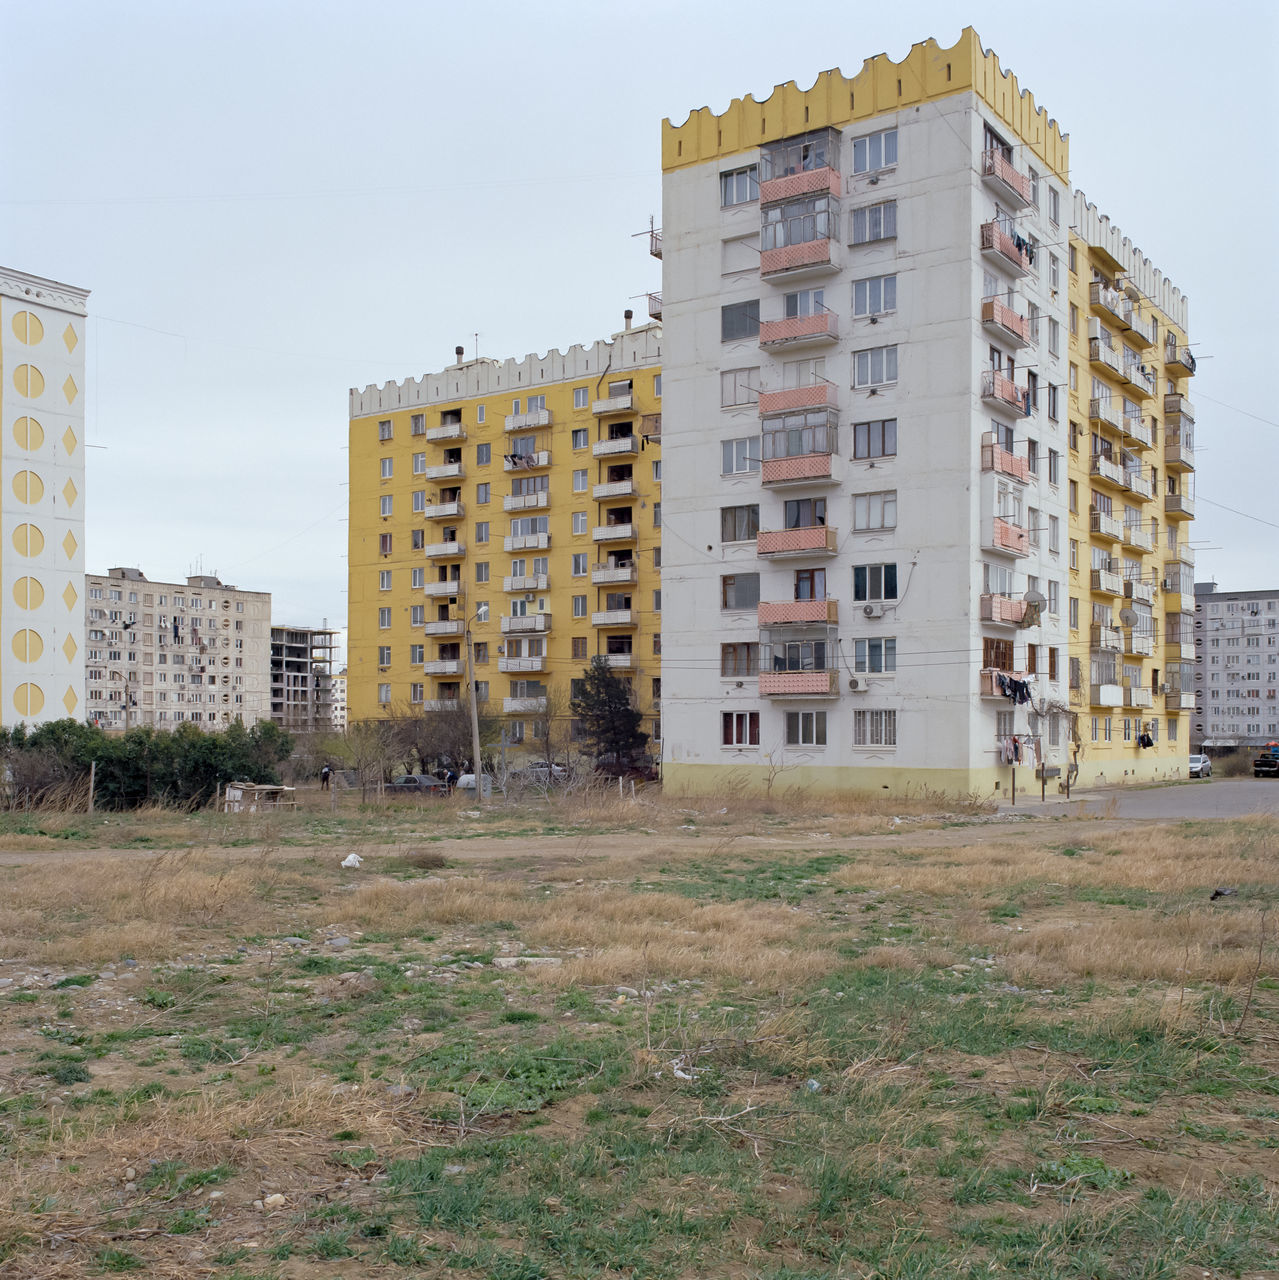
(400, 1090)
(294, 942)
(626, 991)
(522, 962)
(340, 941)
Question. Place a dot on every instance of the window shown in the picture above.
(878, 656)
(388, 468)
(483, 454)
(536, 404)
(799, 221)
(740, 456)
(803, 302)
(580, 440)
(417, 424)
(482, 531)
(384, 580)
(581, 397)
(1054, 403)
(875, 151)
(738, 591)
(417, 692)
(384, 544)
(875, 222)
(657, 470)
(1054, 205)
(417, 539)
(738, 524)
(384, 619)
(1054, 272)
(804, 513)
(419, 464)
(737, 660)
(482, 611)
(657, 601)
(1054, 534)
(481, 571)
(1054, 602)
(383, 695)
(875, 582)
(482, 493)
(874, 295)
(479, 413)
(384, 429)
(739, 320)
(417, 653)
(580, 481)
(1073, 613)
(875, 439)
(579, 521)
(739, 386)
(875, 367)
(874, 728)
(579, 647)
(579, 606)
(875, 510)
(1072, 489)
(657, 515)
(385, 503)
(657, 385)
(810, 584)
(1054, 466)
(1054, 337)
(579, 564)
(384, 655)
(739, 728)
(739, 186)
(806, 728)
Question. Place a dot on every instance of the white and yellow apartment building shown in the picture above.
(519, 499)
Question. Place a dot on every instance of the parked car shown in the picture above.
(417, 784)
(1266, 765)
(1200, 767)
(642, 768)
(542, 774)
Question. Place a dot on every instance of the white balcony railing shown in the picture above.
(619, 445)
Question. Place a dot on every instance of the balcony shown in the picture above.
(527, 542)
(447, 471)
(1179, 452)
(1138, 537)
(1138, 644)
(443, 667)
(1104, 526)
(1003, 535)
(1000, 461)
(1102, 353)
(1138, 483)
(820, 395)
(1141, 332)
(800, 331)
(444, 550)
(527, 421)
(651, 426)
(453, 627)
(1104, 639)
(1179, 506)
(804, 468)
(1176, 650)
(1136, 431)
(1004, 180)
(624, 403)
(811, 257)
(803, 182)
(529, 582)
(1180, 361)
(1136, 696)
(654, 306)
(526, 501)
(1107, 301)
(526, 461)
(997, 608)
(1179, 700)
(619, 661)
(448, 431)
(622, 445)
(533, 622)
(443, 511)
(1177, 406)
(1105, 410)
(1142, 378)
(518, 665)
(614, 489)
(1106, 695)
(1140, 590)
(1005, 322)
(613, 533)
(772, 613)
(998, 245)
(1004, 392)
(523, 706)
(1106, 469)
(817, 541)
(655, 242)
(607, 574)
(450, 588)
(988, 681)
(1181, 553)
(440, 704)
(614, 618)
(1107, 583)
(799, 684)
(1179, 596)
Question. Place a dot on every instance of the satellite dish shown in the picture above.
(1035, 598)
(1127, 617)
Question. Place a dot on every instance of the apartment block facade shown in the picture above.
(1237, 674)
(880, 445)
(520, 500)
(165, 653)
(42, 380)
(302, 678)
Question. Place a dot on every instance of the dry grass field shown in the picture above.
(596, 1037)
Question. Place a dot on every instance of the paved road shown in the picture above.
(1206, 798)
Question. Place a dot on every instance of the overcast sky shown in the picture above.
(274, 202)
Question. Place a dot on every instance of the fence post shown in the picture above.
(93, 772)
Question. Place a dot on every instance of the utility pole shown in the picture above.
(477, 764)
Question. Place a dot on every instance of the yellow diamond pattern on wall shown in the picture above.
(69, 337)
(70, 493)
(69, 389)
(69, 441)
(69, 544)
(70, 648)
(69, 700)
(69, 597)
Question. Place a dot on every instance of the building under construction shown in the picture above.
(302, 678)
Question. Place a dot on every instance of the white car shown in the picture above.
(1200, 767)
(467, 783)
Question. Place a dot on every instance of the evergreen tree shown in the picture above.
(610, 722)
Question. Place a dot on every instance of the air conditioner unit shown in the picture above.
(855, 684)
(873, 610)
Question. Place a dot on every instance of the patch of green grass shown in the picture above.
(1080, 1170)
(116, 1260)
(75, 980)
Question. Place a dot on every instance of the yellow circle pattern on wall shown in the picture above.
(28, 540)
(28, 381)
(28, 593)
(27, 645)
(28, 699)
(28, 487)
(28, 433)
(27, 328)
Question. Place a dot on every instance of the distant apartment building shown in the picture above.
(302, 678)
(339, 701)
(1237, 673)
(164, 653)
(42, 381)
(519, 500)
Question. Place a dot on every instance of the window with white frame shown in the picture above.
(875, 655)
(384, 619)
(875, 222)
(579, 521)
(875, 151)
(579, 606)
(384, 655)
(806, 728)
(875, 367)
(418, 578)
(419, 501)
(384, 580)
(580, 481)
(384, 431)
(384, 695)
(739, 386)
(739, 728)
(417, 615)
(874, 295)
(875, 510)
(388, 468)
(740, 456)
(581, 397)
(874, 728)
(579, 564)
(580, 438)
(739, 186)
(875, 582)
(876, 439)
(385, 503)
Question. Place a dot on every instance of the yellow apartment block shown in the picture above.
(1131, 468)
(519, 499)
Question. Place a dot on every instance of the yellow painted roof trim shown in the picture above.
(927, 73)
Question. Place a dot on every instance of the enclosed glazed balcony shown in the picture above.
(618, 446)
(1106, 695)
(799, 684)
(1102, 409)
(529, 420)
(607, 574)
(1000, 534)
(820, 395)
(1107, 583)
(532, 622)
(443, 551)
(1004, 392)
(623, 403)
(1180, 360)
(818, 540)
(999, 460)
(806, 468)
(1006, 249)
(1179, 700)
(1001, 176)
(526, 542)
(1002, 320)
(526, 501)
(819, 329)
(526, 461)
(1177, 406)
(997, 608)
(1102, 525)
(527, 582)
(783, 612)
(807, 257)
(446, 471)
(1138, 696)
(802, 165)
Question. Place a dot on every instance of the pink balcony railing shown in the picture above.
(804, 183)
(818, 396)
(807, 466)
(995, 608)
(1004, 317)
(824, 326)
(993, 458)
(994, 165)
(790, 256)
(782, 542)
(774, 613)
(994, 386)
(1010, 537)
(995, 239)
(798, 683)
